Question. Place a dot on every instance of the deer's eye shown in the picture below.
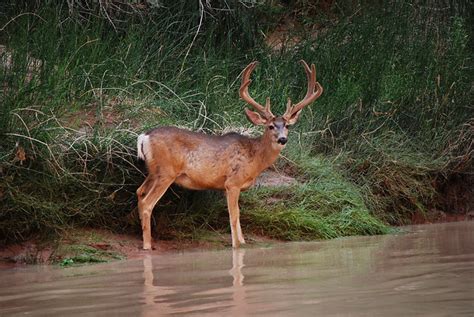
(271, 127)
(287, 126)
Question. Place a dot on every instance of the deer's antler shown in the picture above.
(314, 91)
(244, 93)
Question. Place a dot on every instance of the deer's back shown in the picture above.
(198, 160)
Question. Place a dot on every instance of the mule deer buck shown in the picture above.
(230, 162)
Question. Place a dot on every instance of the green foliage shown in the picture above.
(398, 184)
(393, 67)
(325, 206)
(81, 84)
(81, 254)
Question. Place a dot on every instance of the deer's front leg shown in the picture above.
(232, 195)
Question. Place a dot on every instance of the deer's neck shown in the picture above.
(267, 151)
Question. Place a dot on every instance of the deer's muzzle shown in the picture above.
(282, 140)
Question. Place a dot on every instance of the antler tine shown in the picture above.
(244, 92)
(313, 92)
(288, 106)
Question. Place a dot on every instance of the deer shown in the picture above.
(229, 162)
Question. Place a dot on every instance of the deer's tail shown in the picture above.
(143, 147)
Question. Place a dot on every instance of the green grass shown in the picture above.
(395, 118)
(76, 254)
(324, 206)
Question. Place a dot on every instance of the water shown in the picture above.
(427, 271)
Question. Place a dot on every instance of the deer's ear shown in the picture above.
(294, 118)
(255, 117)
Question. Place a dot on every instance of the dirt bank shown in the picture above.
(85, 246)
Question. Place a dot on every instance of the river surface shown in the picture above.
(426, 270)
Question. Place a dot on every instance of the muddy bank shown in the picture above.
(89, 246)
(456, 192)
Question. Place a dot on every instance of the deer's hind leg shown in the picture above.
(148, 194)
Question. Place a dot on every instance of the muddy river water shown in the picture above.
(424, 271)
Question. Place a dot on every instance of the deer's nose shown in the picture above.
(282, 140)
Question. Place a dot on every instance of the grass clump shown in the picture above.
(80, 254)
(83, 247)
(325, 206)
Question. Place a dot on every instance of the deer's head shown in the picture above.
(277, 126)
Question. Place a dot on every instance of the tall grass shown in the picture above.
(398, 100)
(85, 79)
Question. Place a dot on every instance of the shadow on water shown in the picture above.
(428, 270)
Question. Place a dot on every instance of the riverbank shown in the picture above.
(388, 143)
(89, 246)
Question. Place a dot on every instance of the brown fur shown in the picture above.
(199, 161)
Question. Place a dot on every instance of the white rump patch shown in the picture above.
(143, 147)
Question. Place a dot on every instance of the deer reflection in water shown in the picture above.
(150, 291)
(174, 299)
